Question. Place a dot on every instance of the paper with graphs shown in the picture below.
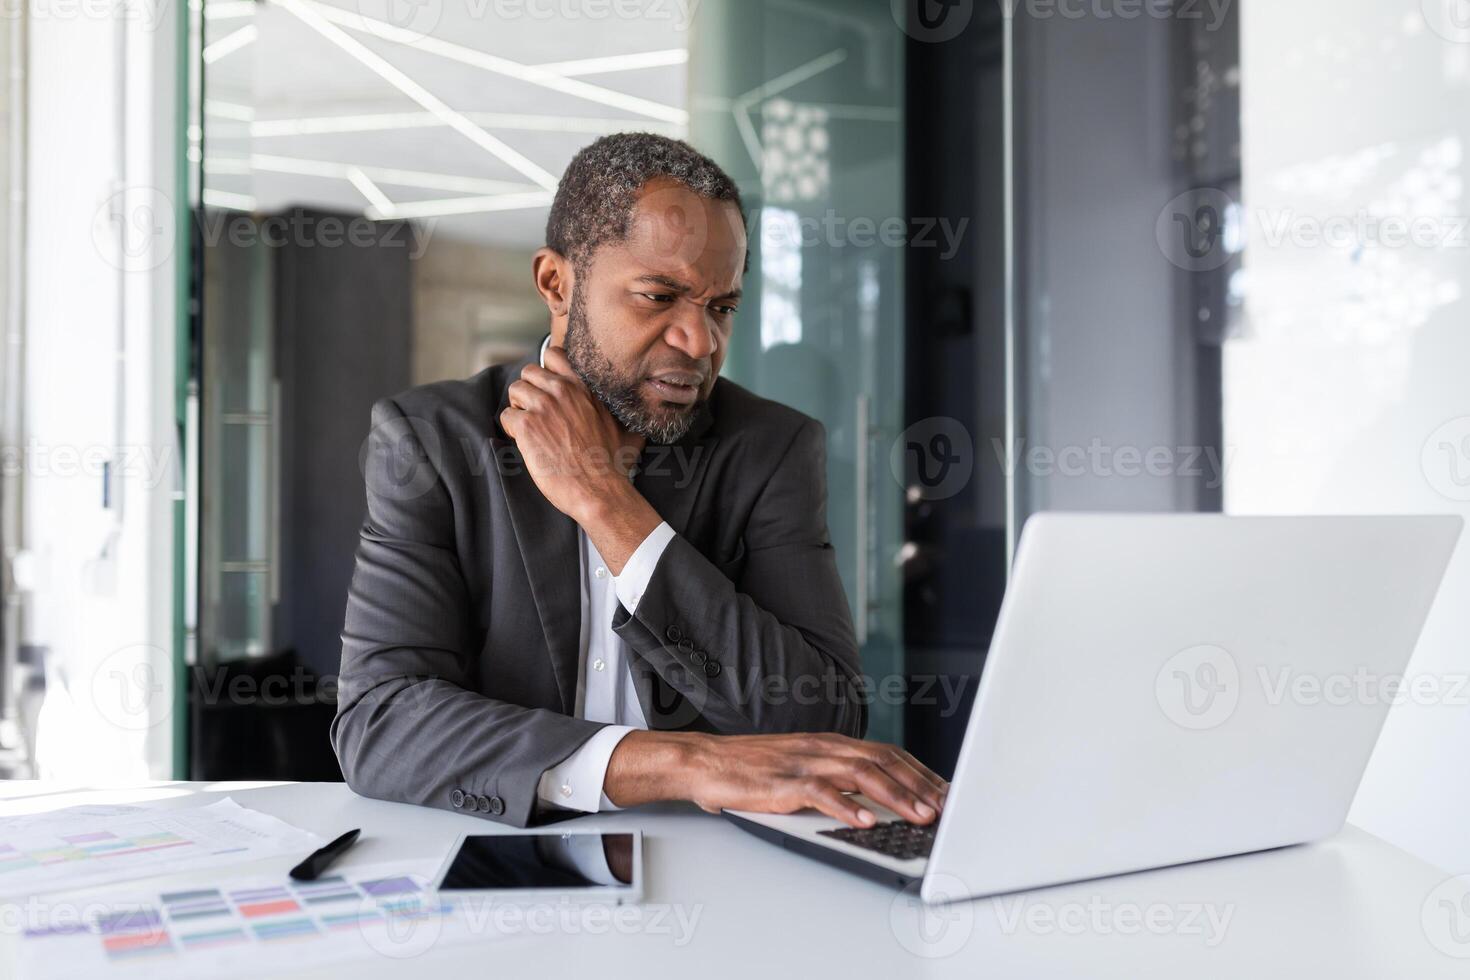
(92, 845)
(245, 926)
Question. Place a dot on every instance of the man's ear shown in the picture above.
(554, 281)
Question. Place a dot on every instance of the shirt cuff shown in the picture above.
(575, 783)
(637, 573)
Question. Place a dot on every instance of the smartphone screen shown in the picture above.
(553, 861)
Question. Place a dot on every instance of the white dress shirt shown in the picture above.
(605, 689)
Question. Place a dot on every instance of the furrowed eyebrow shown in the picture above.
(673, 285)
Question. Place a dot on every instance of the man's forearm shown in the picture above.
(617, 523)
(653, 767)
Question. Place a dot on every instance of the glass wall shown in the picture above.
(802, 103)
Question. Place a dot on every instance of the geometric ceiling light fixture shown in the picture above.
(530, 74)
(618, 62)
(229, 10)
(426, 99)
(377, 122)
(369, 190)
(229, 44)
(526, 201)
(393, 176)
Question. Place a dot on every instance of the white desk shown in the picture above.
(1351, 907)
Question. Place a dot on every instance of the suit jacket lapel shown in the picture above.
(548, 542)
(669, 477)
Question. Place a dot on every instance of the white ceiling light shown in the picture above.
(382, 121)
(308, 14)
(229, 44)
(425, 180)
(467, 205)
(493, 63)
(229, 110)
(619, 62)
(229, 10)
(369, 190)
(225, 199)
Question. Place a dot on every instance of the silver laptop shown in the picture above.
(1162, 689)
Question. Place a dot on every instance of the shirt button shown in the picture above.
(600, 572)
(566, 791)
(598, 664)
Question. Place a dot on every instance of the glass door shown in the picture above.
(800, 102)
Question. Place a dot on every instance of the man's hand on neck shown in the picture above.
(580, 457)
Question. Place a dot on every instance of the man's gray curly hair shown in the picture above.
(594, 201)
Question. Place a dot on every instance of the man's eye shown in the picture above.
(726, 310)
(660, 297)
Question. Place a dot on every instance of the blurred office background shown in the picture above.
(1016, 257)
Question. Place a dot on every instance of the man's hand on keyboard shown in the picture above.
(773, 774)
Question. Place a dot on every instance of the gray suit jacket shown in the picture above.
(461, 645)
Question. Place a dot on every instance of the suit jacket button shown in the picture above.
(457, 798)
(699, 657)
(712, 669)
(484, 803)
(674, 633)
(497, 806)
(686, 644)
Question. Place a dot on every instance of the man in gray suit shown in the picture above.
(602, 577)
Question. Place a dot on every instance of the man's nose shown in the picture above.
(693, 332)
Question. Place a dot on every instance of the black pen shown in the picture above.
(320, 860)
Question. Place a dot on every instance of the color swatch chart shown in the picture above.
(83, 847)
(248, 927)
(90, 845)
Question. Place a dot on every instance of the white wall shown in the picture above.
(99, 386)
(1356, 355)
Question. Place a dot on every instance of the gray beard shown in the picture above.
(622, 396)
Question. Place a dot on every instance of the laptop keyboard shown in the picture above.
(896, 838)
